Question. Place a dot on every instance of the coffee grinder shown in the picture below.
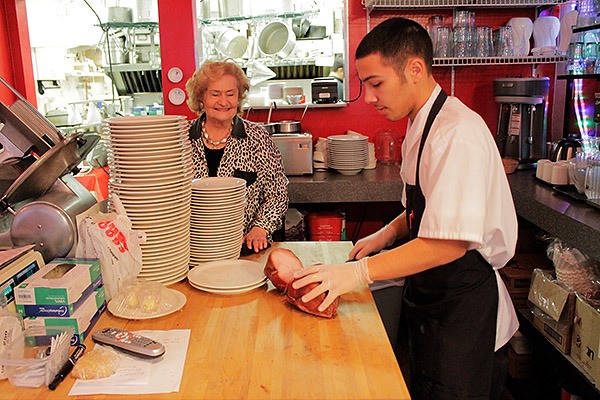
(521, 133)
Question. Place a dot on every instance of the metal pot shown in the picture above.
(271, 127)
(566, 149)
(120, 14)
(289, 127)
(277, 38)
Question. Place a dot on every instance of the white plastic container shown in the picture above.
(27, 359)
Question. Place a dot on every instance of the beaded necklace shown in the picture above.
(217, 143)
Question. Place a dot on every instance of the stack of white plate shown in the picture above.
(150, 169)
(227, 276)
(348, 154)
(217, 220)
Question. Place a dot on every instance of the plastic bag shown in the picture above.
(575, 269)
(99, 363)
(110, 238)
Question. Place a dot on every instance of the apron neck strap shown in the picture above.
(435, 109)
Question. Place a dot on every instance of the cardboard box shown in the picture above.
(517, 280)
(58, 310)
(553, 306)
(61, 281)
(81, 318)
(585, 341)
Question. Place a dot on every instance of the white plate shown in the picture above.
(230, 291)
(217, 183)
(230, 274)
(175, 300)
(145, 120)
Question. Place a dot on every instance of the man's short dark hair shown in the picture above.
(396, 40)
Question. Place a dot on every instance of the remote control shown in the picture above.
(130, 342)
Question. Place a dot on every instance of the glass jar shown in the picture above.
(387, 146)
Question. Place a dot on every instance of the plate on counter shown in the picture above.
(230, 291)
(227, 275)
(171, 300)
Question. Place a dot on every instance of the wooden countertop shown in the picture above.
(256, 346)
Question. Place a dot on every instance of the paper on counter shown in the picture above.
(144, 376)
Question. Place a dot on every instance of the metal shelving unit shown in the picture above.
(371, 5)
(417, 4)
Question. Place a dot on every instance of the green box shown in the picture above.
(61, 281)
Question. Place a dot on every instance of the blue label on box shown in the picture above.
(58, 310)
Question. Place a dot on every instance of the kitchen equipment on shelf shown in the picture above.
(277, 39)
(522, 29)
(151, 171)
(296, 151)
(120, 14)
(41, 198)
(567, 22)
(521, 132)
(545, 31)
(231, 43)
(326, 90)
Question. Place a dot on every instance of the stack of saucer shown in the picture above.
(217, 220)
(150, 170)
(227, 276)
(348, 154)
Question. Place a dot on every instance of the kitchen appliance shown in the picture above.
(296, 150)
(521, 132)
(40, 198)
(326, 89)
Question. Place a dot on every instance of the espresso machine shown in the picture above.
(40, 199)
(521, 132)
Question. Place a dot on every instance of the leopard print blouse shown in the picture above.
(250, 154)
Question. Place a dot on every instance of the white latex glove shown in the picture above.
(374, 242)
(335, 279)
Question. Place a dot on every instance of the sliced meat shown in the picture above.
(281, 266)
(294, 296)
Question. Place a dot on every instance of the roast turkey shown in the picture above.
(280, 268)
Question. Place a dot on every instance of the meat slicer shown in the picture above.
(40, 198)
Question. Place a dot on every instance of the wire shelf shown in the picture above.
(395, 4)
(454, 61)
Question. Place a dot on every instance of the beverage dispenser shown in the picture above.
(521, 132)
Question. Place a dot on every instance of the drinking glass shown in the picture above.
(592, 177)
(461, 41)
(484, 45)
(443, 45)
(505, 42)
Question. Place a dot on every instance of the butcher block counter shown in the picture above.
(256, 346)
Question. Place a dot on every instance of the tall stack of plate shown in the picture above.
(217, 220)
(150, 169)
(348, 154)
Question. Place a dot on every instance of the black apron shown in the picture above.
(451, 313)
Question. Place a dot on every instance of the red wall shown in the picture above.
(15, 53)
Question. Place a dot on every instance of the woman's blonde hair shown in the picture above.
(212, 71)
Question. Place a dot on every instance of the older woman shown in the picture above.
(224, 144)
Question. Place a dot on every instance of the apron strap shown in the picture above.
(435, 109)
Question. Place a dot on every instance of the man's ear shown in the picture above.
(416, 68)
